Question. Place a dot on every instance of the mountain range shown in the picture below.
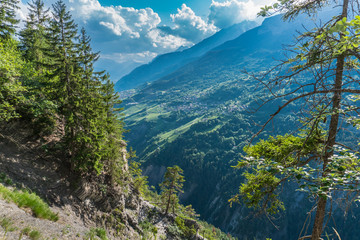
(169, 62)
(200, 116)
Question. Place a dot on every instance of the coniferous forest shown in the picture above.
(48, 77)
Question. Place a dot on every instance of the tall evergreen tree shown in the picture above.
(63, 53)
(88, 117)
(114, 127)
(33, 36)
(8, 19)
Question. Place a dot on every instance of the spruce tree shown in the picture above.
(33, 36)
(114, 127)
(62, 51)
(8, 19)
(89, 114)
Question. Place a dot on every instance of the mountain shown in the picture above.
(166, 63)
(201, 116)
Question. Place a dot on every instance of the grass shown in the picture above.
(28, 200)
(96, 233)
(34, 235)
(173, 134)
(7, 225)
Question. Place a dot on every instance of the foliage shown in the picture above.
(208, 231)
(33, 35)
(149, 230)
(51, 80)
(35, 235)
(187, 231)
(171, 187)
(189, 212)
(320, 164)
(95, 233)
(29, 200)
(278, 159)
(11, 89)
(8, 19)
(7, 225)
(140, 181)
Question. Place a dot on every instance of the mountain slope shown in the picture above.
(30, 169)
(199, 117)
(166, 63)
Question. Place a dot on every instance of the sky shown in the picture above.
(129, 33)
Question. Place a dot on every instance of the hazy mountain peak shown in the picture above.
(167, 63)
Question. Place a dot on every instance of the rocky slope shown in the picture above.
(84, 210)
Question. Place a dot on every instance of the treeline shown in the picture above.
(47, 79)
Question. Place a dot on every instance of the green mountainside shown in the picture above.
(202, 115)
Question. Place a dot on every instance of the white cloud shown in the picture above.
(22, 13)
(190, 26)
(167, 41)
(127, 35)
(121, 21)
(141, 57)
(229, 12)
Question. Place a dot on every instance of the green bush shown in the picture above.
(148, 229)
(188, 232)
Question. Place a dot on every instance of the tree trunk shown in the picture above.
(169, 198)
(331, 140)
(319, 218)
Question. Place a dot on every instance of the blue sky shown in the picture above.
(163, 7)
(129, 33)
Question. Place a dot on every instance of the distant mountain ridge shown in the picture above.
(167, 63)
(197, 117)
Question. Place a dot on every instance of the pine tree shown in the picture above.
(62, 51)
(8, 19)
(33, 36)
(171, 187)
(88, 120)
(114, 126)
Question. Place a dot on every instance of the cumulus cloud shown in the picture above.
(229, 12)
(129, 36)
(189, 26)
(124, 35)
(165, 40)
(21, 13)
(126, 21)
